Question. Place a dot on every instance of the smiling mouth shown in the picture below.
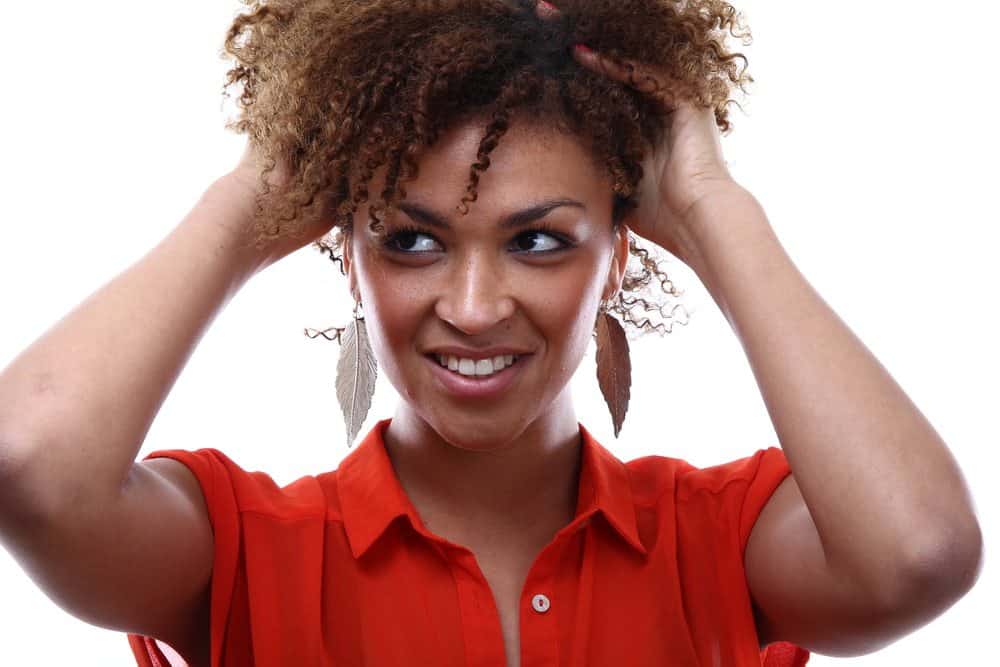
(473, 369)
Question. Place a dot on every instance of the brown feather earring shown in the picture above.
(614, 365)
(356, 373)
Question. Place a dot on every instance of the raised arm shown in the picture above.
(75, 405)
(874, 534)
(120, 544)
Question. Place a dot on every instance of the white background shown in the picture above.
(869, 137)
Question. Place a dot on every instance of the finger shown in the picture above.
(625, 71)
(546, 10)
(641, 77)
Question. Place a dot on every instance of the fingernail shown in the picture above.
(583, 48)
(547, 6)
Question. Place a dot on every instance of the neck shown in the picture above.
(523, 478)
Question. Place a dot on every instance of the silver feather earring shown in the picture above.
(356, 373)
(614, 365)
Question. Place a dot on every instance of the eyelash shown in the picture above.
(539, 228)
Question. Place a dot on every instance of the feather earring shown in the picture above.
(356, 373)
(614, 365)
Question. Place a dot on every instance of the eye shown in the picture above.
(412, 241)
(538, 241)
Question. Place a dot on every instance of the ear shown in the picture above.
(619, 262)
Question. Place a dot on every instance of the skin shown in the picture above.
(830, 564)
(515, 458)
(476, 285)
(873, 535)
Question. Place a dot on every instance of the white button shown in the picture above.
(540, 603)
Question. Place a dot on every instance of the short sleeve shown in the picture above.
(268, 558)
(717, 508)
(210, 468)
(734, 493)
(765, 470)
(770, 468)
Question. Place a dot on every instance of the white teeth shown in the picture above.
(473, 367)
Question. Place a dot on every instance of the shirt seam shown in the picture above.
(653, 503)
(718, 491)
(278, 517)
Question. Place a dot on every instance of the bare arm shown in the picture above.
(121, 544)
(875, 532)
(75, 405)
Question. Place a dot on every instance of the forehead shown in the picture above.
(530, 161)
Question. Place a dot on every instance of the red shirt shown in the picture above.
(338, 569)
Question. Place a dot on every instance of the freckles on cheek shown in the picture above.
(391, 327)
(402, 308)
(571, 305)
(564, 313)
(393, 301)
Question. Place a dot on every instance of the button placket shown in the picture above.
(480, 629)
(539, 623)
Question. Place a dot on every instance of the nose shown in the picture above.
(476, 296)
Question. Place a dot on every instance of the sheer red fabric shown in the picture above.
(338, 569)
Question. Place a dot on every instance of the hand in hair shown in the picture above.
(250, 181)
(686, 168)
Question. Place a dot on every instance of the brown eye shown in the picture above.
(411, 241)
(538, 242)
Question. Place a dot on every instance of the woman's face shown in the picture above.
(488, 285)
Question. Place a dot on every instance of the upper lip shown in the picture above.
(484, 353)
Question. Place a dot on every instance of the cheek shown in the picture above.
(392, 323)
(562, 303)
(391, 304)
(392, 319)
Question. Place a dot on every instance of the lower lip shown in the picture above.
(467, 386)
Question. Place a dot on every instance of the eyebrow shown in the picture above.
(517, 219)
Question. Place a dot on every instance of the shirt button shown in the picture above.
(540, 603)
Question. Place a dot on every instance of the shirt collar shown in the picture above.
(371, 496)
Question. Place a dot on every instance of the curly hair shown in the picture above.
(336, 89)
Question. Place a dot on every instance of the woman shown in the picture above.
(525, 541)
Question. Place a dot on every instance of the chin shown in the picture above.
(477, 432)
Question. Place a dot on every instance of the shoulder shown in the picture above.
(727, 496)
(224, 481)
(651, 477)
(747, 478)
(655, 474)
